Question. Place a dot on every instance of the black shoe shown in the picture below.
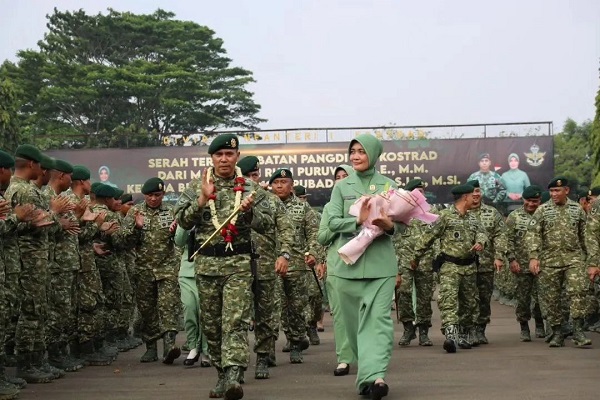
(188, 362)
(342, 371)
(379, 390)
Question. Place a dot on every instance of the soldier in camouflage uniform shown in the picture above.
(517, 224)
(492, 187)
(461, 235)
(490, 259)
(151, 226)
(555, 240)
(223, 270)
(274, 249)
(303, 257)
(33, 246)
(420, 280)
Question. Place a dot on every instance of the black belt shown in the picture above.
(218, 250)
(459, 261)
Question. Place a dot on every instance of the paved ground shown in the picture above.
(505, 369)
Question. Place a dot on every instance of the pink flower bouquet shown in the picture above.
(400, 205)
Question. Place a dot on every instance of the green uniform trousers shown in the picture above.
(191, 314)
(365, 312)
(343, 350)
(265, 320)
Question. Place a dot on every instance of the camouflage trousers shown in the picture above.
(112, 276)
(62, 320)
(90, 305)
(551, 280)
(265, 329)
(485, 287)
(3, 321)
(125, 316)
(159, 304)
(314, 306)
(422, 282)
(526, 296)
(294, 297)
(459, 297)
(33, 310)
(11, 301)
(592, 300)
(226, 303)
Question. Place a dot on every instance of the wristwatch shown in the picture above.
(285, 255)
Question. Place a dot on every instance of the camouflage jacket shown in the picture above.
(154, 242)
(278, 239)
(491, 184)
(592, 235)
(517, 225)
(496, 247)
(457, 234)
(31, 239)
(67, 246)
(306, 227)
(556, 235)
(190, 216)
(8, 227)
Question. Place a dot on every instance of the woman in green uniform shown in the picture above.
(365, 289)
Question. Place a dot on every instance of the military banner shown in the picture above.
(442, 163)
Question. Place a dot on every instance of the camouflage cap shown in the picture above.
(281, 173)
(226, 141)
(153, 185)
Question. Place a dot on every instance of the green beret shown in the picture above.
(153, 185)
(583, 193)
(126, 198)
(80, 173)
(248, 164)
(6, 160)
(474, 183)
(63, 166)
(484, 155)
(300, 191)
(281, 173)
(559, 181)
(28, 152)
(103, 190)
(414, 184)
(94, 186)
(595, 191)
(227, 141)
(545, 196)
(118, 193)
(47, 162)
(532, 192)
(462, 189)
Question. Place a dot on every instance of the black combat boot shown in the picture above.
(463, 338)
(313, 336)
(579, 338)
(451, 333)
(27, 370)
(88, 353)
(409, 333)
(481, 334)
(525, 333)
(424, 335)
(219, 390)
(540, 331)
(151, 353)
(296, 353)
(17, 382)
(170, 350)
(262, 366)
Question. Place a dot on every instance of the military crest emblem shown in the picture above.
(536, 157)
(283, 174)
(160, 186)
(233, 143)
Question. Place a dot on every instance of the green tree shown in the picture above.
(595, 139)
(573, 156)
(126, 79)
(9, 116)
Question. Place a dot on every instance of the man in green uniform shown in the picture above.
(273, 249)
(557, 254)
(493, 190)
(461, 236)
(490, 259)
(517, 224)
(303, 257)
(223, 270)
(419, 279)
(151, 226)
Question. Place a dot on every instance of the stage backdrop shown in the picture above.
(442, 163)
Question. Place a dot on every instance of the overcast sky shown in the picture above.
(325, 63)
